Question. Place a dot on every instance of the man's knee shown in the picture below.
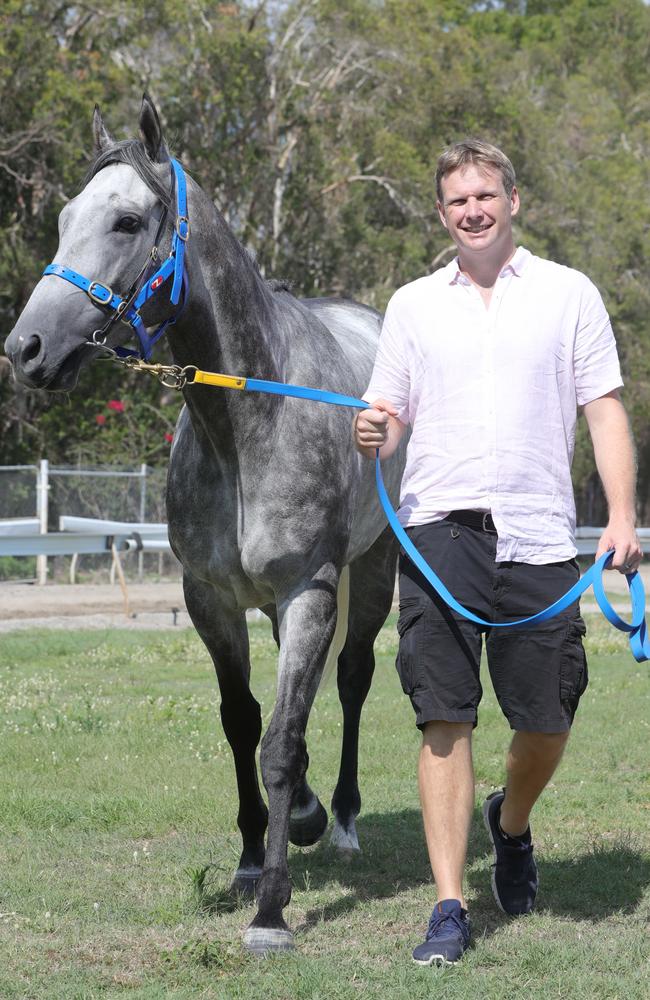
(542, 746)
(444, 738)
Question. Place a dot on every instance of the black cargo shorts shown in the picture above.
(538, 673)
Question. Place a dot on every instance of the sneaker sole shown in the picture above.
(495, 893)
(486, 823)
(435, 960)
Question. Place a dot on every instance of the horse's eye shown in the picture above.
(128, 224)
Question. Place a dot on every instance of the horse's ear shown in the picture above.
(150, 128)
(103, 138)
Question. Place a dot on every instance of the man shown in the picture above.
(488, 360)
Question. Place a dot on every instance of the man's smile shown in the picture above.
(477, 230)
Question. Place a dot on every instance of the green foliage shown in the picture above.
(316, 127)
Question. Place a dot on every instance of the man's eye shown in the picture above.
(128, 224)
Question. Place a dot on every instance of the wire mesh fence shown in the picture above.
(18, 491)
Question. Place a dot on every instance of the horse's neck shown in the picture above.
(232, 325)
(232, 320)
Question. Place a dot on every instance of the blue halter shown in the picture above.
(128, 309)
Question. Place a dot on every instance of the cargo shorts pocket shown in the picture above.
(409, 630)
(574, 676)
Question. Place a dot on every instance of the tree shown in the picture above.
(315, 126)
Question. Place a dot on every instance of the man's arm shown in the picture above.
(378, 427)
(616, 464)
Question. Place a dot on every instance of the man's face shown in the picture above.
(476, 210)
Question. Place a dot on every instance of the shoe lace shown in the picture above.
(516, 858)
(437, 920)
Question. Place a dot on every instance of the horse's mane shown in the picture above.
(133, 152)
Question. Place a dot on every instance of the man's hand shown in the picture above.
(614, 453)
(378, 427)
(621, 536)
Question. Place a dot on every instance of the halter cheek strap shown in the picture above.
(128, 309)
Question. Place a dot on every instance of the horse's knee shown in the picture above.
(283, 760)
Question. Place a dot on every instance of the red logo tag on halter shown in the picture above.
(156, 283)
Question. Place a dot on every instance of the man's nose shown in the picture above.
(473, 208)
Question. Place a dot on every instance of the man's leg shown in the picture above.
(530, 765)
(446, 779)
(538, 675)
(531, 761)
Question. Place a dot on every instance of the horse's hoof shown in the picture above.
(245, 882)
(345, 840)
(264, 940)
(307, 826)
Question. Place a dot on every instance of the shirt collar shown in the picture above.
(515, 265)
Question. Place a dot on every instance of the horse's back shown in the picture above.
(355, 328)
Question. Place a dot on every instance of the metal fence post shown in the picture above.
(42, 490)
(143, 514)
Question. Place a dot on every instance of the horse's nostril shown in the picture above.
(31, 349)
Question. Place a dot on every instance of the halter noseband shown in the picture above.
(127, 308)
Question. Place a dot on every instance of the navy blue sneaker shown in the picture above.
(514, 872)
(448, 935)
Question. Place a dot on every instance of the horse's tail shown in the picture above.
(341, 630)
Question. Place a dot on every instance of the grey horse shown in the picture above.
(268, 503)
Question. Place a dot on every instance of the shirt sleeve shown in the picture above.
(596, 365)
(390, 377)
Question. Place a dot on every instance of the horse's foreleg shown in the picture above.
(224, 632)
(308, 820)
(372, 582)
(307, 621)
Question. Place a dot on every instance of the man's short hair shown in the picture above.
(478, 153)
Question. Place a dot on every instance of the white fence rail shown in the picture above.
(91, 540)
(84, 535)
(20, 526)
(33, 499)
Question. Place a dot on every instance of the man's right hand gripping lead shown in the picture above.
(378, 427)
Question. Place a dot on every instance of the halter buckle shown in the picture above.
(182, 227)
(100, 298)
(128, 317)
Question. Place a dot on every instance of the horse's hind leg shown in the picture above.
(223, 630)
(308, 819)
(372, 583)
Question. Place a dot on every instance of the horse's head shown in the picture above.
(106, 235)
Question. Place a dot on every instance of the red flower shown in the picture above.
(116, 404)
(100, 419)
(169, 438)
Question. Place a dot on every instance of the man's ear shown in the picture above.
(103, 138)
(441, 214)
(150, 128)
(514, 201)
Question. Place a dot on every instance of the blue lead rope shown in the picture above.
(637, 628)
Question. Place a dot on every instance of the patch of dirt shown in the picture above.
(162, 605)
(79, 605)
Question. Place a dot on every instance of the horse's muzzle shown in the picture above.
(35, 367)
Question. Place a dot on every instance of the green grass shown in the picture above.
(119, 839)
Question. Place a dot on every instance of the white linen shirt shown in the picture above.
(492, 394)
